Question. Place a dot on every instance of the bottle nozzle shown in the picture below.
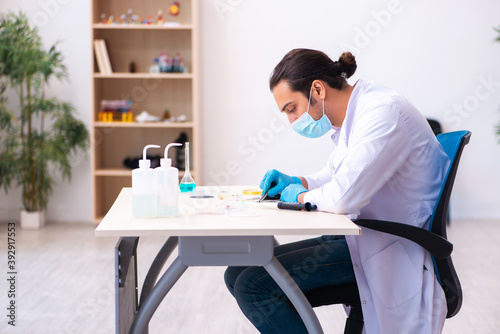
(145, 163)
(165, 159)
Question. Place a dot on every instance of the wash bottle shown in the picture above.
(144, 193)
(167, 178)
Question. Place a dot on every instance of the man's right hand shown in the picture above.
(281, 180)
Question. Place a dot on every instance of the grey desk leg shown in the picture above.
(149, 306)
(296, 296)
(155, 269)
(125, 283)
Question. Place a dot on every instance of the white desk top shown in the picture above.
(212, 217)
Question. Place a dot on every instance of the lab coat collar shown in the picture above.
(335, 134)
(359, 87)
(341, 132)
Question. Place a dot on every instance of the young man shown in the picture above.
(387, 165)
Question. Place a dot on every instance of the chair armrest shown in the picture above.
(438, 246)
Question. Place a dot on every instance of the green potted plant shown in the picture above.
(40, 135)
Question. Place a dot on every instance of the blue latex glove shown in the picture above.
(290, 193)
(282, 181)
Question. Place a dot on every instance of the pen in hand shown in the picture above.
(264, 195)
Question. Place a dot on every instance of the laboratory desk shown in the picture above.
(226, 230)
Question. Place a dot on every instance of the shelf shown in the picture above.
(140, 44)
(166, 125)
(124, 75)
(120, 172)
(142, 26)
(113, 172)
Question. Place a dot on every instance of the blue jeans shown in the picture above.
(312, 263)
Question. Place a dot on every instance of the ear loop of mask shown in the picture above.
(307, 111)
(309, 103)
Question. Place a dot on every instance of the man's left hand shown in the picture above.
(290, 193)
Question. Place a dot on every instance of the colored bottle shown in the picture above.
(167, 178)
(155, 68)
(163, 62)
(144, 193)
(187, 182)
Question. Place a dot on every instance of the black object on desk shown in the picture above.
(297, 206)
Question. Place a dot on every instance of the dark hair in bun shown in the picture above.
(347, 64)
(300, 67)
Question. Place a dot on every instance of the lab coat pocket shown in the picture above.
(392, 277)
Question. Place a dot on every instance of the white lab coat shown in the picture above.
(387, 165)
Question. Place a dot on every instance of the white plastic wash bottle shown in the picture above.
(167, 178)
(144, 193)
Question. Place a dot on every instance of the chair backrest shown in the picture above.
(453, 144)
(435, 126)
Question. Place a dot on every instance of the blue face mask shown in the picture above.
(306, 126)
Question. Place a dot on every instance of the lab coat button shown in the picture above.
(355, 265)
(364, 301)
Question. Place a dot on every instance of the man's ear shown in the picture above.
(319, 88)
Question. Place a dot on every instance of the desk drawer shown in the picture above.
(226, 251)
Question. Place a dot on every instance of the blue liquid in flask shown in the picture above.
(187, 183)
(187, 187)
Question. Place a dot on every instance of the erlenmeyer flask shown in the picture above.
(187, 183)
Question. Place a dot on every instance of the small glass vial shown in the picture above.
(155, 68)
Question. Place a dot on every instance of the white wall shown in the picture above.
(441, 55)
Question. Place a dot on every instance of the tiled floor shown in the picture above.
(65, 285)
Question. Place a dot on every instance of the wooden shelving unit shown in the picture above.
(142, 27)
(112, 142)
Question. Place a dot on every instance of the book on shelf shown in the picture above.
(98, 56)
(102, 57)
(107, 63)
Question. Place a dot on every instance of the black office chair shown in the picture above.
(437, 129)
(435, 126)
(433, 240)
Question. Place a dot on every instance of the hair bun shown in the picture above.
(347, 64)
